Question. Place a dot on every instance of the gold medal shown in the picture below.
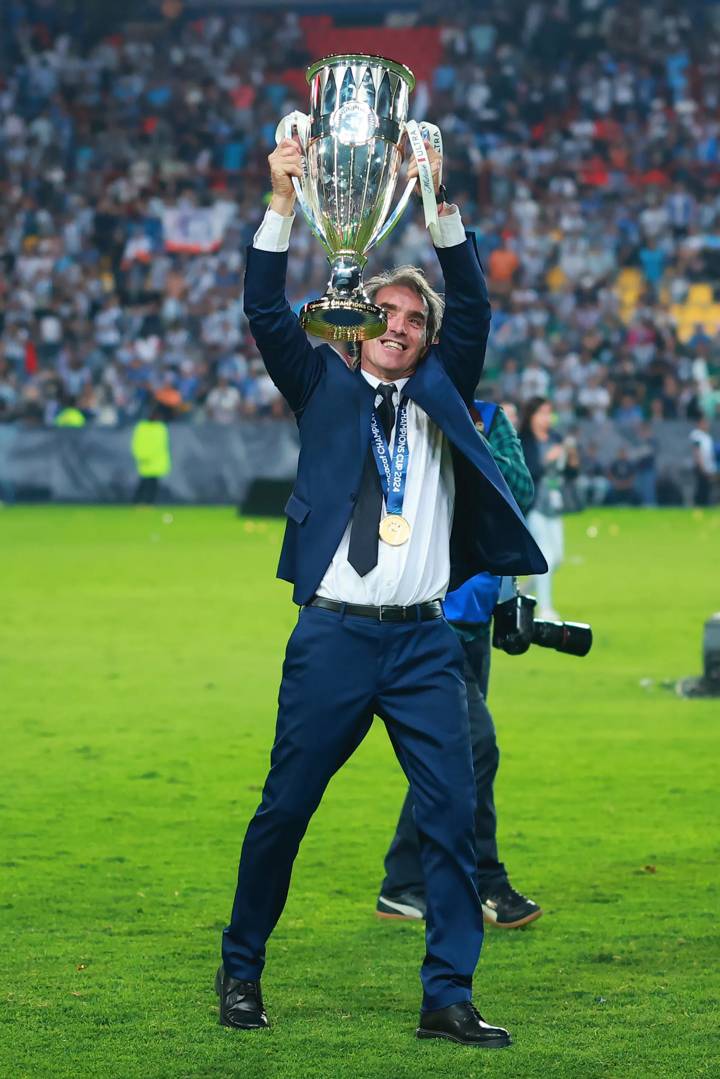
(394, 530)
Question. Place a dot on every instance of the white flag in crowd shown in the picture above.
(195, 230)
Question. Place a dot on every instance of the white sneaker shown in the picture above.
(406, 906)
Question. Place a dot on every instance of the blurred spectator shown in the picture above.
(534, 382)
(503, 265)
(545, 457)
(592, 481)
(572, 495)
(622, 480)
(644, 455)
(594, 398)
(704, 462)
(709, 398)
(223, 402)
(628, 413)
(509, 383)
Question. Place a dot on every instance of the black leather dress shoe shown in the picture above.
(241, 1003)
(462, 1023)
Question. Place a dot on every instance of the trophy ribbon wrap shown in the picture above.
(418, 134)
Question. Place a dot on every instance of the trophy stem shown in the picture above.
(345, 274)
(344, 313)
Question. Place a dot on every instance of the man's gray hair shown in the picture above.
(413, 278)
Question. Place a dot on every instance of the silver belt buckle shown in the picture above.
(391, 607)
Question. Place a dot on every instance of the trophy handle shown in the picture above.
(416, 133)
(380, 234)
(297, 123)
(309, 217)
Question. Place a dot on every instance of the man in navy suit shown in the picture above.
(392, 438)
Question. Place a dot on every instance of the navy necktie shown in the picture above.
(363, 549)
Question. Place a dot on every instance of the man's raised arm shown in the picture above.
(466, 321)
(292, 363)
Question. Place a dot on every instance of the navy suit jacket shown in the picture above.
(333, 405)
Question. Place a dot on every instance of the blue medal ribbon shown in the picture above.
(392, 467)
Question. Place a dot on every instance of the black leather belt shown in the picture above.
(416, 612)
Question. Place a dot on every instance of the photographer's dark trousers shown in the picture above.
(340, 670)
(403, 866)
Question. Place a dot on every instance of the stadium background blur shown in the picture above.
(582, 142)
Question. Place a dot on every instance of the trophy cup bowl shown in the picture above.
(353, 150)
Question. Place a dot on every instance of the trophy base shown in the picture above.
(343, 319)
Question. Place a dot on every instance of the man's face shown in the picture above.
(396, 354)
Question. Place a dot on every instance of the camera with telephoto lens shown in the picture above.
(515, 627)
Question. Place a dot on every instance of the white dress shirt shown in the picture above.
(419, 570)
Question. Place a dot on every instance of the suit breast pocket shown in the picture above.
(296, 509)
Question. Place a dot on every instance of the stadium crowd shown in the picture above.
(582, 140)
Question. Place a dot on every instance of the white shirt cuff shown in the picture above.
(449, 231)
(274, 232)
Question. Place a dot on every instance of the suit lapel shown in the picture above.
(364, 398)
(431, 388)
(434, 391)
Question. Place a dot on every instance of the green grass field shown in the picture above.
(140, 653)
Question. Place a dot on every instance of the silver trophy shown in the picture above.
(353, 146)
